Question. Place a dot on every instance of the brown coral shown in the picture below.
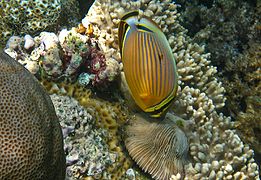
(30, 134)
(242, 80)
(249, 123)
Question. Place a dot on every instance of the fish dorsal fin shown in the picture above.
(129, 14)
(151, 21)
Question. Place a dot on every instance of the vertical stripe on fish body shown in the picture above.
(148, 64)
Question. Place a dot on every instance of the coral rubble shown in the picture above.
(30, 134)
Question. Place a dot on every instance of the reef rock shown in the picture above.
(30, 135)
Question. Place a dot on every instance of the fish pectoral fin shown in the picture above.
(149, 99)
(144, 96)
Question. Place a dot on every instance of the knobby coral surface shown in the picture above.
(35, 15)
(31, 17)
(30, 134)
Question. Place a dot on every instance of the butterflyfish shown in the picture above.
(148, 64)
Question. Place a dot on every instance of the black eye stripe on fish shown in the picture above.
(148, 63)
(143, 28)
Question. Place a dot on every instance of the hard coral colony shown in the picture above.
(27, 16)
(215, 150)
(30, 134)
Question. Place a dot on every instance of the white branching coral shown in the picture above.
(215, 148)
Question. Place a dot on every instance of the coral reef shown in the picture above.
(70, 13)
(225, 27)
(31, 17)
(35, 15)
(104, 16)
(231, 32)
(30, 134)
(215, 148)
(249, 123)
(107, 116)
(146, 139)
(156, 144)
(67, 56)
(85, 145)
(242, 80)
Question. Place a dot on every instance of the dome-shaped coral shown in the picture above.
(30, 134)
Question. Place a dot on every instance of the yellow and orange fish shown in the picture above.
(148, 64)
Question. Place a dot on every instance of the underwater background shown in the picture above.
(72, 48)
